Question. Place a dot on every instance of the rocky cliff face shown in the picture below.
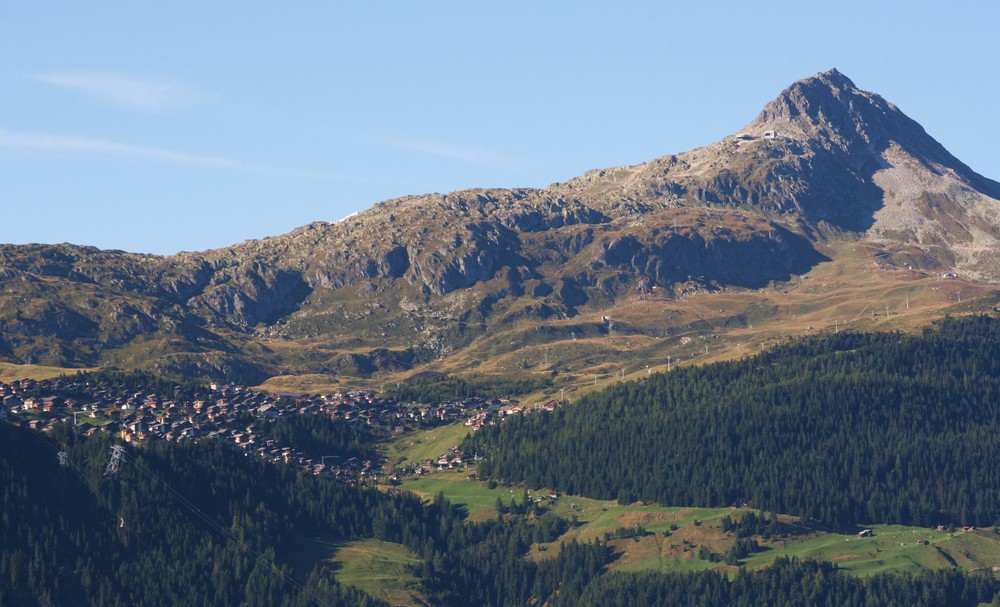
(418, 276)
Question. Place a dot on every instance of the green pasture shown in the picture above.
(382, 570)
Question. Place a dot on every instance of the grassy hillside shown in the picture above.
(10, 372)
(651, 333)
(425, 444)
(380, 569)
(674, 535)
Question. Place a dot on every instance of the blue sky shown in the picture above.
(166, 126)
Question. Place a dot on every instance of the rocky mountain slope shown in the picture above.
(419, 277)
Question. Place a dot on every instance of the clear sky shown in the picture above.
(166, 126)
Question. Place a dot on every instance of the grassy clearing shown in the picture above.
(892, 548)
(382, 570)
(426, 444)
(310, 384)
(10, 372)
(473, 495)
(599, 517)
(675, 534)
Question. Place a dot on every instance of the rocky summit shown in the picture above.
(419, 278)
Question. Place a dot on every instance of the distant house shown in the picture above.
(865, 533)
(50, 403)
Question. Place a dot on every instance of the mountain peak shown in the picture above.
(834, 77)
(828, 111)
(828, 106)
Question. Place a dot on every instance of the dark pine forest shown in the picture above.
(843, 430)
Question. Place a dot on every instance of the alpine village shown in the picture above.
(765, 371)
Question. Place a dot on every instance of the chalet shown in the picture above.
(50, 403)
(550, 405)
(268, 412)
(865, 533)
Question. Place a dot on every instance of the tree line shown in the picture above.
(843, 430)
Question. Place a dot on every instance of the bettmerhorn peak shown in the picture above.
(829, 109)
(859, 163)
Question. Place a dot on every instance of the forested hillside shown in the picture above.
(844, 429)
(200, 524)
(789, 583)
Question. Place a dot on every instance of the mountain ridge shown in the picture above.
(421, 276)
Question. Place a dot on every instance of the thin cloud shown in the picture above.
(69, 143)
(89, 145)
(133, 93)
(443, 150)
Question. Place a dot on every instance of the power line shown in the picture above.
(117, 451)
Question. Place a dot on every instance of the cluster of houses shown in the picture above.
(497, 414)
(238, 414)
(449, 460)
